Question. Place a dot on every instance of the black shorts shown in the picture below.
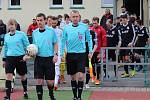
(87, 60)
(76, 62)
(112, 55)
(44, 68)
(15, 62)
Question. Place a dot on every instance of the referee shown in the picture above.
(74, 37)
(15, 44)
(44, 64)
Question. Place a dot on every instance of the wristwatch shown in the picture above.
(56, 54)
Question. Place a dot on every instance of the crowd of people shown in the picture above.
(75, 41)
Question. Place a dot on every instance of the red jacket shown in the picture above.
(101, 37)
(31, 28)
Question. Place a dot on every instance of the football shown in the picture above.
(32, 50)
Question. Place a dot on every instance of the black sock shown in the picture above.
(24, 84)
(104, 69)
(126, 69)
(98, 72)
(132, 67)
(80, 88)
(87, 77)
(139, 61)
(39, 90)
(115, 70)
(51, 94)
(74, 88)
(94, 73)
(8, 88)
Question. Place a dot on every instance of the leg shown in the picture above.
(9, 77)
(50, 85)
(39, 88)
(74, 85)
(57, 75)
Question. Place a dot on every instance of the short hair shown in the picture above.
(140, 22)
(54, 18)
(86, 21)
(49, 17)
(66, 16)
(59, 16)
(124, 16)
(12, 21)
(96, 19)
(41, 15)
(74, 11)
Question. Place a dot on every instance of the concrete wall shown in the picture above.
(29, 9)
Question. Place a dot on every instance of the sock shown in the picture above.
(87, 78)
(94, 73)
(98, 72)
(39, 90)
(139, 61)
(24, 84)
(126, 69)
(8, 88)
(74, 88)
(51, 94)
(132, 67)
(104, 68)
(115, 70)
(80, 88)
(57, 74)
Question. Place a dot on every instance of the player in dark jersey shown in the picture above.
(127, 37)
(112, 41)
(94, 42)
(142, 38)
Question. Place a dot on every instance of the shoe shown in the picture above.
(125, 75)
(133, 72)
(55, 88)
(97, 82)
(26, 95)
(93, 79)
(79, 99)
(74, 98)
(87, 86)
(6, 98)
(139, 68)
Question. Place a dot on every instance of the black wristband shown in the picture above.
(56, 54)
(4, 59)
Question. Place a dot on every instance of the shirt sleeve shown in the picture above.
(25, 41)
(89, 39)
(63, 42)
(4, 49)
(55, 37)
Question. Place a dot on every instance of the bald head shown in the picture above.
(75, 16)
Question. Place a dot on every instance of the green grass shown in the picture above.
(60, 95)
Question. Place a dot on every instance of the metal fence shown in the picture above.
(143, 77)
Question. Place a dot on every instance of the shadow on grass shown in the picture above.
(60, 95)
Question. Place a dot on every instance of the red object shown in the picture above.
(31, 28)
(101, 37)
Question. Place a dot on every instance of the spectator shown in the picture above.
(31, 28)
(105, 17)
(2, 32)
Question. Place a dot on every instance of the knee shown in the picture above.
(9, 76)
(23, 77)
(39, 81)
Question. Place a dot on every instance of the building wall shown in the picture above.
(29, 9)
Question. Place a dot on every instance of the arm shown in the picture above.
(103, 36)
(133, 39)
(25, 40)
(63, 42)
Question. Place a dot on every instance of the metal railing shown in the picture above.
(107, 62)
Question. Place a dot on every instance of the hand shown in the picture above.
(26, 57)
(4, 64)
(90, 55)
(55, 58)
(62, 58)
(130, 45)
